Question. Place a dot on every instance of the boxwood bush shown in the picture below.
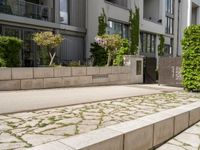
(10, 51)
(191, 58)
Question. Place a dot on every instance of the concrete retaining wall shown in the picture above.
(56, 77)
(39, 78)
(141, 134)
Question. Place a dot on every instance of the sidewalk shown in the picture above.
(18, 101)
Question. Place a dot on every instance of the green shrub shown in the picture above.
(191, 58)
(124, 50)
(98, 54)
(10, 51)
(2, 62)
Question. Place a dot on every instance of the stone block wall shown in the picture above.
(57, 77)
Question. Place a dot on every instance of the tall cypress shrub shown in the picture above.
(134, 21)
(99, 54)
(161, 45)
(191, 58)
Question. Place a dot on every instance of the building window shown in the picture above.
(169, 17)
(2, 2)
(118, 28)
(64, 11)
(169, 25)
(148, 42)
(170, 6)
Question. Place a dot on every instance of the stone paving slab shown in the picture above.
(188, 140)
(23, 130)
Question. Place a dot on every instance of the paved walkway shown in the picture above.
(22, 130)
(188, 140)
(16, 101)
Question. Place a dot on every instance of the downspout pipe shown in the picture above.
(178, 29)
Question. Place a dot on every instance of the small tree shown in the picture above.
(111, 43)
(191, 58)
(49, 42)
(134, 21)
(161, 46)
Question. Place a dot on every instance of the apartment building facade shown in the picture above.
(157, 17)
(22, 18)
(77, 21)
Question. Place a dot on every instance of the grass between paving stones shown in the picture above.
(28, 145)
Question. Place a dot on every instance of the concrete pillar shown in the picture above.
(198, 15)
(137, 67)
(57, 11)
(189, 12)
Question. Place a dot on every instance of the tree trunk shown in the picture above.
(52, 58)
(109, 59)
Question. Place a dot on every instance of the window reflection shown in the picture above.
(64, 15)
(117, 28)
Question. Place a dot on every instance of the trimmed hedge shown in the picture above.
(191, 58)
(10, 51)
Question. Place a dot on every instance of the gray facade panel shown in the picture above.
(72, 49)
(77, 13)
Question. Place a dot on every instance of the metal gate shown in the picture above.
(150, 74)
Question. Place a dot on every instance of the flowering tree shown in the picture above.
(111, 43)
(49, 41)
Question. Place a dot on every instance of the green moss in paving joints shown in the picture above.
(13, 142)
(67, 135)
(20, 138)
(28, 126)
(81, 115)
(12, 125)
(41, 125)
(53, 118)
(77, 130)
(101, 118)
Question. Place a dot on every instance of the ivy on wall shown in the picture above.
(134, 21)
(161, 45)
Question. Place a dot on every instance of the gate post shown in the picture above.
(136, 64)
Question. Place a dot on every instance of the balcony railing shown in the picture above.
(27, 9)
